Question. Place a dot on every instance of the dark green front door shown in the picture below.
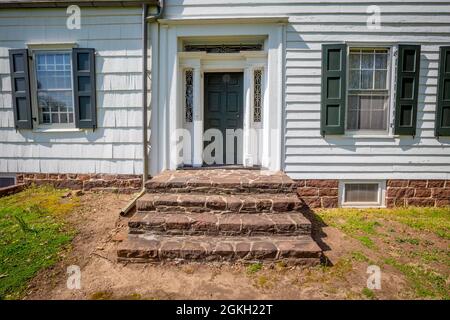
(224, 110)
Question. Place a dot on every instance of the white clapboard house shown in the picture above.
(350, 98)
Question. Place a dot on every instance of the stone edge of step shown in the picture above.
(159, 248)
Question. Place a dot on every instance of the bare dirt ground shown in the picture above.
(100, 229)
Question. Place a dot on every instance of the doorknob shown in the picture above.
(237, 116)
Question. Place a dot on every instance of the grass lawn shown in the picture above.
(414, 241)
(32, 235)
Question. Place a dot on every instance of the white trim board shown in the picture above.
(169, 109)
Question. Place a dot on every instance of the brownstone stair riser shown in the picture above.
(302, 249)
(220, 225)
(222, 189)
(218, 204)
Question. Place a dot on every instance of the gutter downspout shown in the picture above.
(144, 21)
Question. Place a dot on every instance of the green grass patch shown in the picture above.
(254, 267)
(426, 283)
(369, 294)
(365, 240)
(359, 256)
(32, 234)
(412, 241)
(364, 221)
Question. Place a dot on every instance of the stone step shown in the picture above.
(156, 248)
(221, 181)
(291, 224)
(240, 203)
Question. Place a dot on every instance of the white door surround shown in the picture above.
(168, 113)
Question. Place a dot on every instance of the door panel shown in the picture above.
(224, 110)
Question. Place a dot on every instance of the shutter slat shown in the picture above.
(442, 126)
(407, 89)
(20, 86)
(83, 63)
(334, 61)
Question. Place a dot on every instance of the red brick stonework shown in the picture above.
(320, 193)
(123, 183)
(423, 193)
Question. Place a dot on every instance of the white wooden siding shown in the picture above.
(312, 23)
(115, 147)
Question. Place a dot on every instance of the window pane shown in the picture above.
(54, 86)
(366, 79)
(367, 61)
(379, 113)
(354, 60)
(354, 79)
(381, 61)
(364, 116)
(380, 79)
(359, 192)
(352, 114)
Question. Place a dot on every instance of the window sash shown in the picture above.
(38, 109)
(369, 92)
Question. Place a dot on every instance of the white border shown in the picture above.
(392, 64)
(381, 194)
(168, 108)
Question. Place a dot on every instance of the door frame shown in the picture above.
(167, 85)
(201, 63)
(241, 115)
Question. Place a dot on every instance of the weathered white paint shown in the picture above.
(115, 147)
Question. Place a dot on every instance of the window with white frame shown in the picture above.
(362, 193)
(54, 88)
(368, 89)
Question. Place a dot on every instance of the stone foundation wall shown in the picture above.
(423, 193)
(6, 191)
(122, 183)
(319, 193)
(400, 193)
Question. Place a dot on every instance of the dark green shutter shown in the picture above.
(334, 61)
(442, 127)
(84, 87)
(20, 87)
(407, 92)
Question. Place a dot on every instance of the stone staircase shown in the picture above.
(220, 215)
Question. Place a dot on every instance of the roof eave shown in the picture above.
(81, 3)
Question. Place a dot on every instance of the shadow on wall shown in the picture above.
(294, 39)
